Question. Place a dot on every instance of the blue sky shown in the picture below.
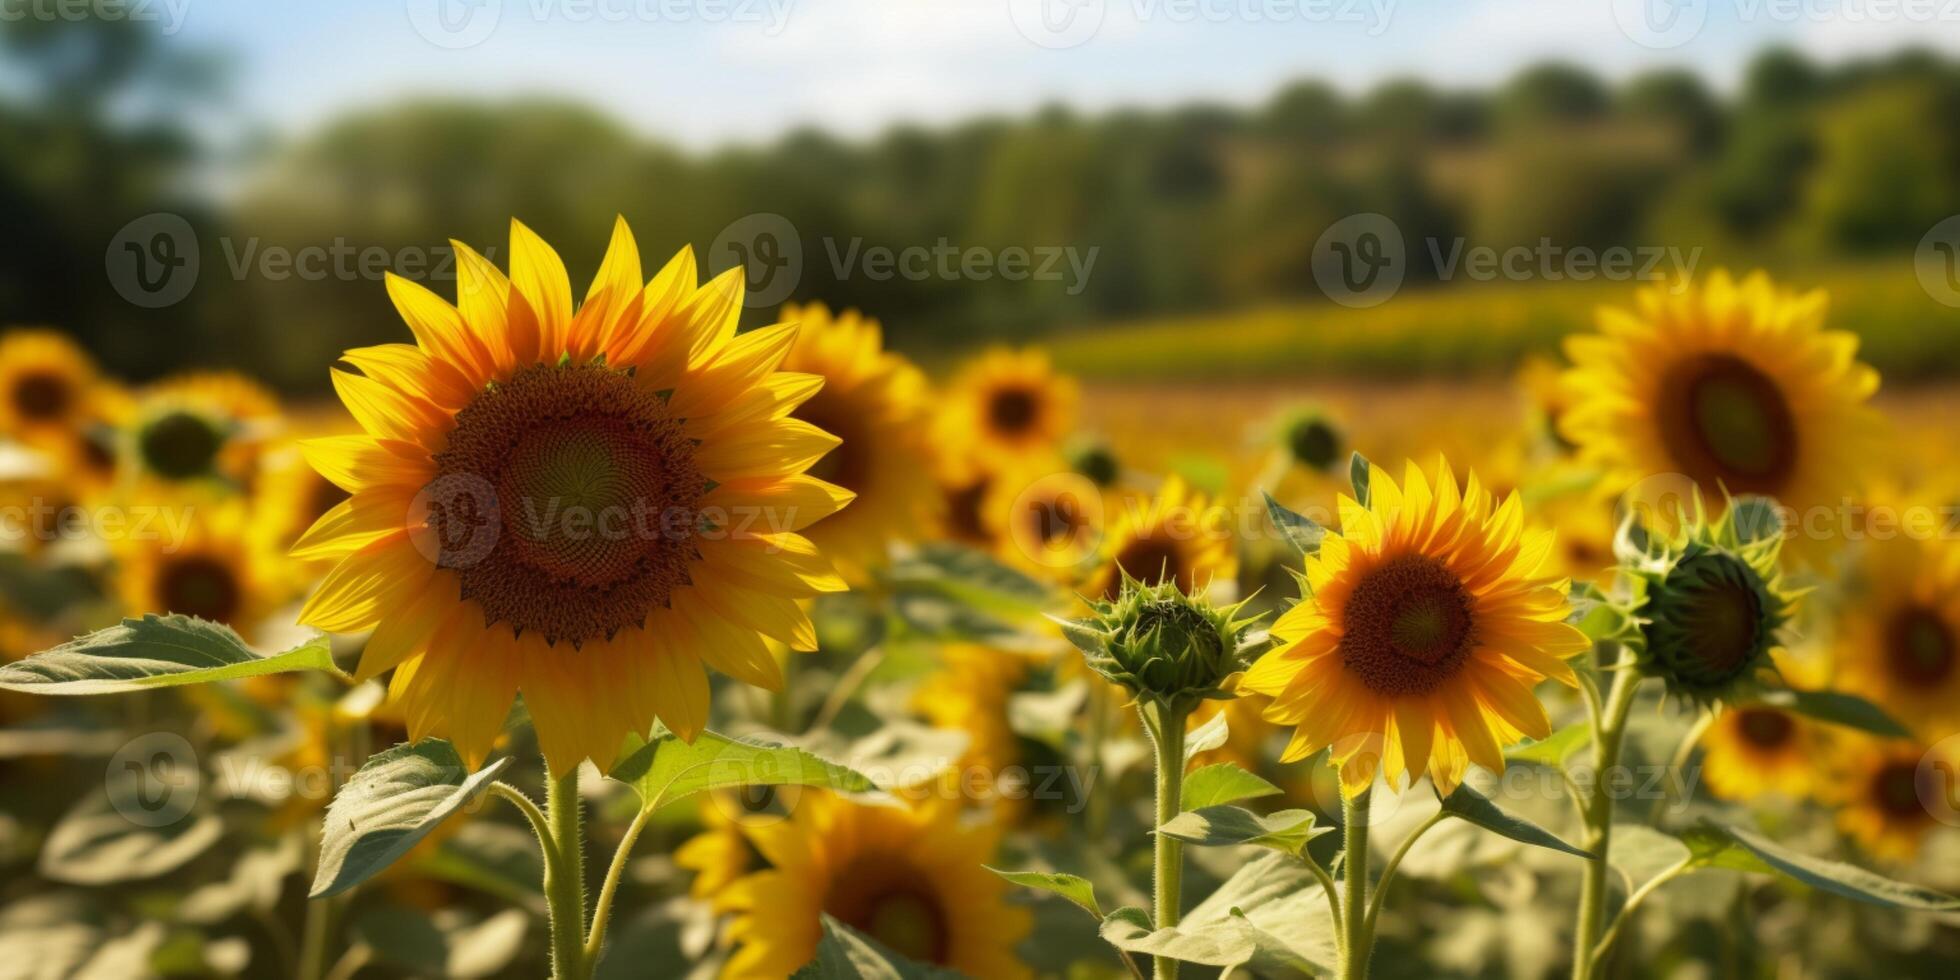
(708, 72)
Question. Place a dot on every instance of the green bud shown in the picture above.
(1312, 440)
(1162, 645)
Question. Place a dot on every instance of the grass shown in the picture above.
(1482, 328)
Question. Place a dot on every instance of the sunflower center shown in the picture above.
(43, 396)
(1409, 626)
(1764, 728)
(1895, 790)
(1151, 560)
(1919, 646)
(1313, 443)
(964, 520)
(180, 445)
(847, 465)
(594, 492)
(1708, 623)
(1011, 410)
(1728, 423)
(201, 586)
(888, 901)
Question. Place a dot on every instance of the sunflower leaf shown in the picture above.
(847, 954)
(1469, 805)
(1555, 748)
(394, 801)
(1206, 737)
(1230, 943)
(1839, 708)
(1222, 783)
(1718, 845)
(1298, 530)
(156, 651)
(143, 822)
(1075, 888)
(1358, 476)
(668, 770)
(1226, 826)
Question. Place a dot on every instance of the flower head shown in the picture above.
(1163, 645)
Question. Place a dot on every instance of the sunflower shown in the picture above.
(1735, 386)
(875, 401)
(1009, 405)
(908, 876)
(1900, 642)
(721, 853)
(1043, 518)
(558, 501)
(47, 385)
(1180, 536)
(211, 425)
(1887, 791)
(1755, 749)
(221, 570)
(969, 693)
(1427, 624)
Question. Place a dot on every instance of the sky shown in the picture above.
(705, 73)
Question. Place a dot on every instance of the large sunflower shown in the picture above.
(1179, 536)
(1735, 386)
(1429, 622)
(223, 570)
(1009, 405)
(1752, 750)
(1900, 641)
(873, 400)
(46, 387)
(584, 504)
(1885, 791)
(908, 876)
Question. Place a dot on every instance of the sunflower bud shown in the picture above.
(1312, 440)
(1711, 602)
(1162, 645)
(1095, 461)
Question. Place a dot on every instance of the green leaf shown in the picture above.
(668, 770)
(1642, 853)
(1279, 896)
(1223, 826)
(1554, 749)
(1469, 805)
(394, 801)
(1206, 737)
(1839, 708)
(1717, 845)
(492, 857)
(155, 651)
(1072, 887)
(1225, 782)
(973, 577)
(1232, 942)
(846, 954)
(1358, 476)
(1299, 531)
(137, 825)
(256, 883)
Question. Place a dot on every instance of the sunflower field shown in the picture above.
(603, 607)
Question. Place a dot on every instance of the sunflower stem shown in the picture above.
(1166, 730)
(1609, 731)
(1354, 878)
(564, 879)
(595, 940)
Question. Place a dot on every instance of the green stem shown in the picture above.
(1388, 871)
(1633, 902)
(1354, 878)
(1167, 734)
(602, 911)
(1609, 730)
(564, 879)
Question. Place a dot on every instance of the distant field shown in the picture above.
(1480, 328)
